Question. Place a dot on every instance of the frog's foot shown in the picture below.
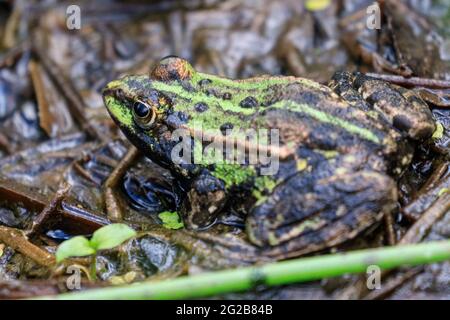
(342, 84)
(308, 213)
(402, 108)
(204, 201)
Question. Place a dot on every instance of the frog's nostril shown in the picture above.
(119, 94)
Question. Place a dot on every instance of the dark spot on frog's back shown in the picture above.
(204, 82)
(176, 119)
(201, 107)
(401, 122)
(249, 102)
(227, 96)
(225, 127)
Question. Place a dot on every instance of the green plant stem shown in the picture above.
(273, 274)
(93, 269)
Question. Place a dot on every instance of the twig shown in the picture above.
(15, 289)
(435, 177)
(113, 207)
(50, 210)
(420, 229)
(414, 210)
(16, 239)
(4, 143)
(9, 34)
(84, 173)
(22, 289)
(81, 219)
(393, 284)
(437, 97)
(46, 118)
(110, 162)
(389, 227)
(274, 274)
(413, 235)
(11, 55)
(121, 168)
(413, 81)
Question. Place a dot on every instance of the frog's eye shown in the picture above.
(144, 115)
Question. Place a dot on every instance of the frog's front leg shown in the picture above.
(310, 212)
(204, 201)
(402, 108)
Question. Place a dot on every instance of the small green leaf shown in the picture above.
(75, 247)
(317, 5)
(111, 236)
(171, 220)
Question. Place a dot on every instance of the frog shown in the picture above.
(340, 148)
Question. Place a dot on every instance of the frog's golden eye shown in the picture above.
(144, 115)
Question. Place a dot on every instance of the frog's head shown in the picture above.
(140, 103)
(142, 108)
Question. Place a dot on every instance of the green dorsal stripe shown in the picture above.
(328, 118)
(226, 105)
(260, 83)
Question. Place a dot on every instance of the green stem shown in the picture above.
(93, 271)
(273, 274)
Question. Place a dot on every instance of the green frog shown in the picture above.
(338, 148)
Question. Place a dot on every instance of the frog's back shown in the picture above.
(254, 97)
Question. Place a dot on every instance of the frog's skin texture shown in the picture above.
(348, 141)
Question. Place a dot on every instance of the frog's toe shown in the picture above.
(403, 108)
(342, 84)
(204, 202)
(308, 214)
